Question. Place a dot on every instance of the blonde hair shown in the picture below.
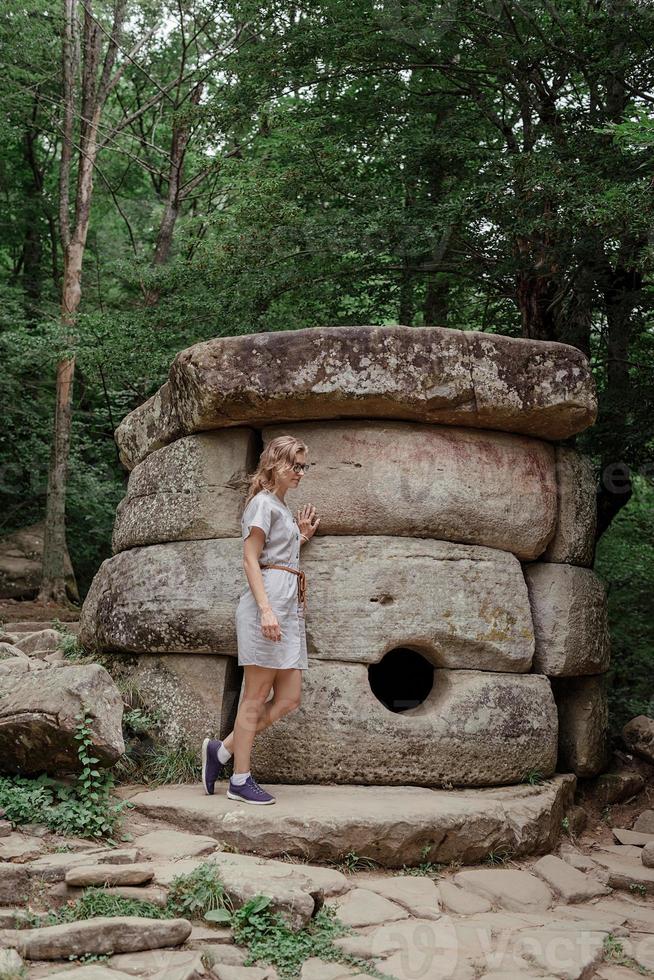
(279, 453)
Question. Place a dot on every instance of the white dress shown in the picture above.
(282, 547)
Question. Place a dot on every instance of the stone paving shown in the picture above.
(586, 910)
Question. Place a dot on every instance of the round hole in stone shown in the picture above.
(402, 679)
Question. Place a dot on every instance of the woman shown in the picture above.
(270, 626)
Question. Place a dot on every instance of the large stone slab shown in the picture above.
(393, 478)
(193, 488)
(422, 374)
(460, 605)
(424, 481)
(392, 825)
(473, 729)
(583, 723)
(573, 541)
(569, 611)
(39, 715)
(122, 934)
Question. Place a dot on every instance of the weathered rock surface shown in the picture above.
(583, 723)
(634, 837)
(53, 867)
(417, 895)
(644, 822)
(614, 787)
(101, 935)
(11, 964)
(516, 891)
(638, 736)
(460, 901)
(361, 907)
(420, 374)
(38, 643)
(193, 696)
(169, 845)
(461, 605)
(99, 875)
(569, 611)
(19, 848)
(193, 488)
(568, 882)
(391, 478)
(626, 870)
(573, 541)
(472, 729)
(38, 718)
(647, 856)
(391, 825)
(14, 882)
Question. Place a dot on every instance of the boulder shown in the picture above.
(98, 936)
(472, 729)
(573, 541)
(459, 605)
(21, 564)
(638, 736)
(39, 714)
(8, 651)
(647, 856)
(193, 488)
(569, 611)
(617, 784)
(420, 374)
(583, 723)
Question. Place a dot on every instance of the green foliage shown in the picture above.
(501, 856)
(84, 809)
(352, 862)
(193, 895)
(625, 560)
(161, 763)
(270, 940)
(93, 903)
(533, 777)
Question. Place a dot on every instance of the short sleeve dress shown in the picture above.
(282, 547)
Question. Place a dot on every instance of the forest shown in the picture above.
(177, 170)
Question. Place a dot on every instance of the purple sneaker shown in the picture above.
(212, 769)
(249, 792)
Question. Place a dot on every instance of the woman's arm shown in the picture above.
(252, 548)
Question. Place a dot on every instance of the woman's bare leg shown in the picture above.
(258, 682)
(287, 687)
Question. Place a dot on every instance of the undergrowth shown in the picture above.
(83, 808)
(201, 895)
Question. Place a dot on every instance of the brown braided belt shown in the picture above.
(301, 582)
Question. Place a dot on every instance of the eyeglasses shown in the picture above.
(301, 467)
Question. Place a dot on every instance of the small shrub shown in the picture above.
(270, 940)
(191, 896)
(533, 777)
(352, 862)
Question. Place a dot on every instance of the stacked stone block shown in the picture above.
(455, 542)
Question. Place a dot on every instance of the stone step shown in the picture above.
(393, 825)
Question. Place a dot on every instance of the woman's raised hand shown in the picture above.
(307, 520)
